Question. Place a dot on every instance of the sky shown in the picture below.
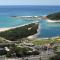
(29, 2)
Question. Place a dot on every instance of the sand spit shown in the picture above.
(53, 20)
(49, 20)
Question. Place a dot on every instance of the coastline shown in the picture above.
(35, 35)
(49, 20)
(4, 29)
(53, 20)
(26, 16)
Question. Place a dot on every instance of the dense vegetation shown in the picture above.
(57, 52)
(21, 51)
(2, 40)
(54, 16)
(18, 51)
(56, 57)
(20, 32)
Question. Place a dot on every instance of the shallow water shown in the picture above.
(48, 29)
(6, 22)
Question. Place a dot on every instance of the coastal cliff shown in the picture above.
(20, 32)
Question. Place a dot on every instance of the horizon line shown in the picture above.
(30, 5)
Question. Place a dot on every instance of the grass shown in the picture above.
(45, 41)
(59, 47)
(41, 42)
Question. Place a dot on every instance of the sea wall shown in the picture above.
(20, 32)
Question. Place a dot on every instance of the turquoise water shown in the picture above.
(6, 22)
(46, 29)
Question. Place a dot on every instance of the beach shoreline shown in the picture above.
(4, 29)
(53, 20)
(49, 20)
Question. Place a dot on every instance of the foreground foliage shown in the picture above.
(21, 51)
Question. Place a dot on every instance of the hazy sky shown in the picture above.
(29, 2)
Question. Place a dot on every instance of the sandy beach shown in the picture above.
(4, 29)
(49, 20)
(53, 20)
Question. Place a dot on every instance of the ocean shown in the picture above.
(9, 21)
(27, 10)
(46, 29)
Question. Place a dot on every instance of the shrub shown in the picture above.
(19, 32)
(54, 16)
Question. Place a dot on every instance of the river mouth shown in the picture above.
(46, 29)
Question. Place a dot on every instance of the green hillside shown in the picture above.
(20, 32)
(54, 16)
